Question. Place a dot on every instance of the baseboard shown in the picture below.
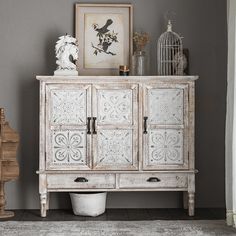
(231, 218)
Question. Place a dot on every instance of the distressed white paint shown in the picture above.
(115, 144)
(166, 141)
(165, 181)
(115, 106)
(73, 102)
(165, 106)
(165, 146)
(114, 147)
(67, 144)
(68, 147)
(114, 157)
(94, 181)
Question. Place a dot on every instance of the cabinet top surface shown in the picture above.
(137, 79)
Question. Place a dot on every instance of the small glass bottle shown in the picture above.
(140, 63)
(124, 70)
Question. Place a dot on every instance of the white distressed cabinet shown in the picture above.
(112, 133)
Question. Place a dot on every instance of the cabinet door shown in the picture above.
(115, 140)
(67, 140)
(166, 121)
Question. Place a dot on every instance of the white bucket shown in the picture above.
(88, 204)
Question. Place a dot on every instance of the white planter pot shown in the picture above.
(88, 204)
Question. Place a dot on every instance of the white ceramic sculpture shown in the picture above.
(66, 50)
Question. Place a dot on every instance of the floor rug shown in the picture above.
(116, 228)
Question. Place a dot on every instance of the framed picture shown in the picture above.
(104, 33)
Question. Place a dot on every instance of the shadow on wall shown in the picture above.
(28, 102)
(28, 114)
(49, 49)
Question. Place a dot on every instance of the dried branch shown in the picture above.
(101, 50)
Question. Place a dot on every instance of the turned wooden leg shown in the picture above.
(191, 203)
(3, 213)
(43, 200)
(185, 200)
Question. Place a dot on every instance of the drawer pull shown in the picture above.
(88, 125)
(145, 124)
(153, 179)
(81, 180)
(94, 125)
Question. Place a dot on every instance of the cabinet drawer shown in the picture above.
(152, 180)
(81, 181)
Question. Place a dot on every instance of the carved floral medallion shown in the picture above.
(68, 106)
(115, 106)
(115, 147)
(69, 147)
(166, 106)
(166, 146)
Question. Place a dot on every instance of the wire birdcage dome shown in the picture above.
(169, 53)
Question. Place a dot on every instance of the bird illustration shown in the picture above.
(105, 38)
(103, 29)
(106, 44)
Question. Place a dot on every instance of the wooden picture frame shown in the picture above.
(104, 33)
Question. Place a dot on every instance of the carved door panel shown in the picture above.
(166, 126)
(68, 143)
(115, 122)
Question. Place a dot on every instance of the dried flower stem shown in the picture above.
(140, 40)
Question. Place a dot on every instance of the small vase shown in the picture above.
(140, 63)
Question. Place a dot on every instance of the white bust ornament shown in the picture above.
(67, 51)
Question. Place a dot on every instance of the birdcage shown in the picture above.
(170, 53)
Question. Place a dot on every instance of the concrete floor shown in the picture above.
(122, 214)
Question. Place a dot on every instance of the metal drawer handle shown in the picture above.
(153, 179)
(94, 125)
(88, 125)
(81, 180)
(145, 124)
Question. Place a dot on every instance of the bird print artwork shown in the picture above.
(105, 37)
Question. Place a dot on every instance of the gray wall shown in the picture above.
(29, 29)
